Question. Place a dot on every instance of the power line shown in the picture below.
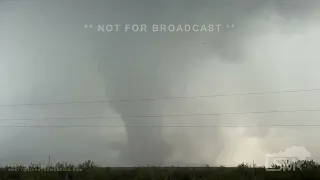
(165, 115)
(161, 98)
(169, 126)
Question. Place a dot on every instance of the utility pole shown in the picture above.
(253, 169)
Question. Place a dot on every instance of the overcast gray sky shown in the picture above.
(47, 55)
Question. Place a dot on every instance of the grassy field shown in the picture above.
(89, 171)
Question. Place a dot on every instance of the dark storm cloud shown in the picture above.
(137, 65)
(150, 65)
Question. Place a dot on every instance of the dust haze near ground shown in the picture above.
(48, 56)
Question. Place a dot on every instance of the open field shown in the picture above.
(89, 171)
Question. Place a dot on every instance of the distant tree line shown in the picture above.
(308, 170)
